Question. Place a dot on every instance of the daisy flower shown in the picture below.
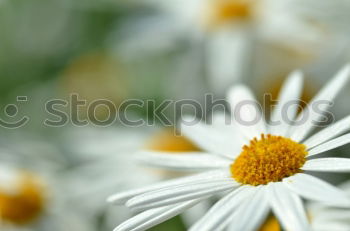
(21, 197)
(32, 194)
(106, 157)
(322, 217)
(227, 35)
(31, 201)
(257, 167)
(325, 218)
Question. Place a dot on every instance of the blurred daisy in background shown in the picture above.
(35, 201)
(106, 157)
(32, 193)
(253, 179)
(95, 79)
(325, 218)
(22, 197)
(321, 217)
(226, 38)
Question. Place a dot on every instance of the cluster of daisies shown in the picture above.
(252, 170)
(258, 174)
(223, 175)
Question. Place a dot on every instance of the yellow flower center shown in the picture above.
(25, 204)
(271, 224)
(269, 159)
(227, 11)
(167, 141)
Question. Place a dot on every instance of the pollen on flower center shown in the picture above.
(269, 159)
(23, 205)
(225, 11)
(271, 224)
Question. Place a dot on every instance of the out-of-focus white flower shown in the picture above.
(105, 156)
(322, 217)
(256, 174)
(32, 193)
(31, 201)
(231, 32)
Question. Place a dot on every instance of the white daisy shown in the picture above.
(32, 194)
(229, 36)
(271, 171)
(322, 217)
(106, 157)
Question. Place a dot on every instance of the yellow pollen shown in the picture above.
(167, 141)
(269, 159)
(226, 11)
(271, 224)
(25, 205)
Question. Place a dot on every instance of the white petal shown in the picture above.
(150, 218)
(191, 216)
(194, 161)
(287, 207)
(252, 214)
(313, 188)
(328, 165)
(229, 57)
(121, 198)
(332, 144)
(345, 186)
(177, 194)
(335, 226)
(290, 92)
(220, 215)
(331, 214)
(327, 93)
(211, 139)
(245, 111)
(230, 132)
(328, 133)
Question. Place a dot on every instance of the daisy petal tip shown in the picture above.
(237, 88)
(345, 71)
(114, 199)
(347, 68)
(297, 74)
(134, 204)
(110, 200)
(295, 78)
(187, 118)
(119, 228)
(130, 204)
